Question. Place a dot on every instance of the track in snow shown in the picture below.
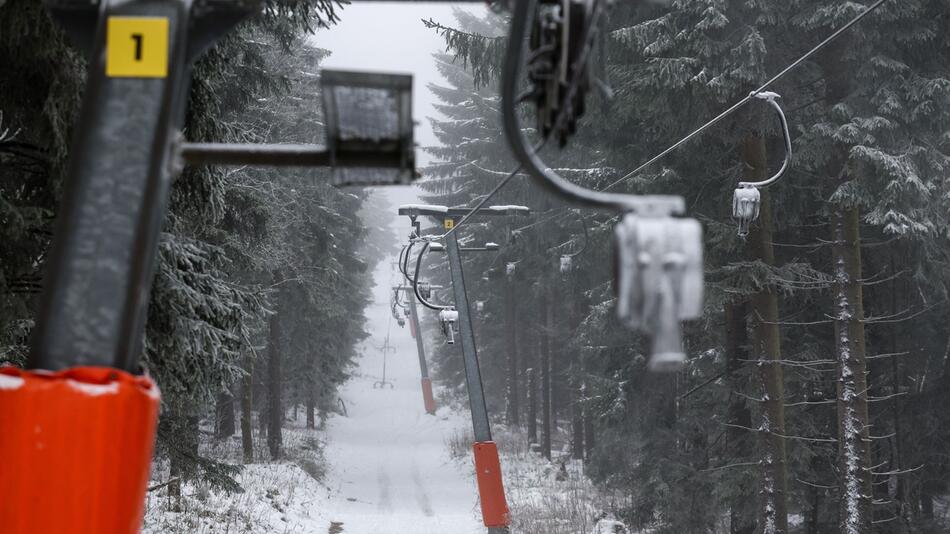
(389, 467)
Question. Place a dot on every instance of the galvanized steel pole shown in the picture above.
(473, 376)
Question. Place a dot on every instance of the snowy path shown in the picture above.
(389, 467)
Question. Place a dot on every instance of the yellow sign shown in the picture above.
(449, 224)
(137, 47)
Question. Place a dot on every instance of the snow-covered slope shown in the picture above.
(389, 466)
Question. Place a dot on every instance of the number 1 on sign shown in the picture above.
(137, 37)
(137, 47)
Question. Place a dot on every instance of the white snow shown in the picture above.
(427, 207)
(389, 467)
(94, 390)
(510, 208)
(11, 382)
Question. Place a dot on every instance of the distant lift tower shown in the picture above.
(487, 465)
(427, 396)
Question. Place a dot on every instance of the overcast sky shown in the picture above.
(390, 37)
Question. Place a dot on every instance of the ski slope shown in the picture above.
(389, 467)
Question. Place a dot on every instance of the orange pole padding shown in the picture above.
(75, 450)
(427, 395)
(491, 490)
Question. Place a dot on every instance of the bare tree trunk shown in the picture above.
(186, 432)
(247, 401)
(588, 424)
(814, 511)
(527, 346)
(531, 375)
(854, 453)
(546, 307)
(574, 384)
(511, 343)
(897, 486)
(742, 508)
(773, 505)
(311, 406)
(224, 415)
(275, 412)
(577, 425)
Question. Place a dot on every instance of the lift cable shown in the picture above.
(753, 94)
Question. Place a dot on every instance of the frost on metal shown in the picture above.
(745, 208)
(94, 390)
(510, 208)
(566, 263)
(426, 207)
(8, 383)
(659, 281)
(370, 175)
(366, 113)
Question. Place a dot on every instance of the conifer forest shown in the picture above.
(705, 246)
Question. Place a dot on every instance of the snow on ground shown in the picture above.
(389, 468)
(387, 463)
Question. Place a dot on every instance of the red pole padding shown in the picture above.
(491, 490)
(427, 396)
(75, 450)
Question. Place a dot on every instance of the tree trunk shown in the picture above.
(531, 376)
(185, 431)
(854, 453)
(575, 389)
(588, 424)
(773, 505)
(742, 508)
(814, 511)
(224, 415)
(897, 487)
(577, 425)
(547, 327)
(511, 344)
(311, 406)
(247, 401)
(275, 412)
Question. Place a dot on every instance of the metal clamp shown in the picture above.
(659, 281)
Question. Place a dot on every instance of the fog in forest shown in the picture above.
(627, 268)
